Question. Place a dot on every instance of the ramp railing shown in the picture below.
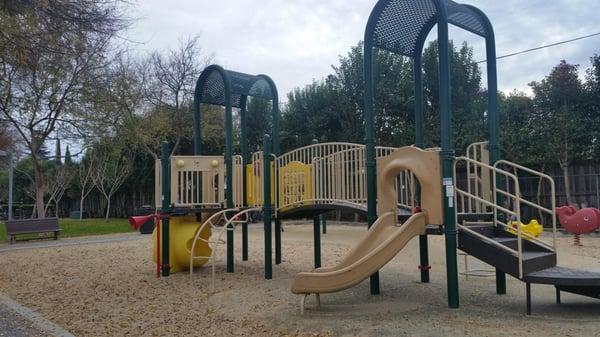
(323, 174)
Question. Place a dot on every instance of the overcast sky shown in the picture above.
(297, 41)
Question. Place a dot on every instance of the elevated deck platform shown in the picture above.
(304, 211)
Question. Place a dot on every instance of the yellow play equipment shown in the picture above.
(182, 230)
(533, 228)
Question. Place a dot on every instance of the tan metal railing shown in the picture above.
(200, 181)
(324, 173)
(510, 195)
(551, 212)
(478, 178)
(238, 181)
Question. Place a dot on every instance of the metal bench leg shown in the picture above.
(557, 295)
(55, 235)
(12, 239)
(528, 296)
(302, 303)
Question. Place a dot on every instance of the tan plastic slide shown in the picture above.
(377, 248)
(385, 238)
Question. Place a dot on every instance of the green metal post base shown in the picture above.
(230, 251)
(452, 270)
(500, 282)
(374, 282)
(268, 250)
(317, 241)
(244, 242)
(424, 254)
(277, 241)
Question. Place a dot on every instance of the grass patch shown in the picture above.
(75, 227)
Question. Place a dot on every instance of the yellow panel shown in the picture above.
(252, 178)
(295, 184)
(250, 184)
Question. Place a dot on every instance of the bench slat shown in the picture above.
(32, 225)
(35, 231)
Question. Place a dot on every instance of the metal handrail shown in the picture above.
(494, 205)
(552, 211)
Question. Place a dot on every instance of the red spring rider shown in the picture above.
(576, 222)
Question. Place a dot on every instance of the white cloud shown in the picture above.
(297, 41)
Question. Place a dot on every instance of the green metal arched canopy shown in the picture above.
(218, 86)
(401, 27)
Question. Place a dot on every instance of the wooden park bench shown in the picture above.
(31, 226)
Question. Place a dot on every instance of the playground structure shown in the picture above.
(404, 192)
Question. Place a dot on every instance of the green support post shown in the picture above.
(447, 158)
(370, 150)
(229, 176)
(245, 157)
(276, 151)
(166, 209)
(494, 126)
(267, 206)
(317, 241)
(420, 143)
(324, 222)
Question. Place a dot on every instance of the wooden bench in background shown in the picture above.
(31, 226)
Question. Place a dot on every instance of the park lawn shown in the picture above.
(76, 227)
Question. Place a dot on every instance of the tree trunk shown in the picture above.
(39, 191)
(107, 208)
(81, 208)
(565, 167)
(539, 196)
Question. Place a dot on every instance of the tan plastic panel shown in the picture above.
(425, 165)
(376, 249)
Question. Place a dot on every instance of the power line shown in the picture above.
(544, 47)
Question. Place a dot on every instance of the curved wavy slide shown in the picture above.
(383, 241)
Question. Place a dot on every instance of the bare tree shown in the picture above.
(109, 174)
(85, 175)
(59, 181)
(50, 50)
(174, 76)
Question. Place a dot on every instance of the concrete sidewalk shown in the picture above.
(19, 321)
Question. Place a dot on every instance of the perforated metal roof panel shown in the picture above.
(213, 91)
(400, 24)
